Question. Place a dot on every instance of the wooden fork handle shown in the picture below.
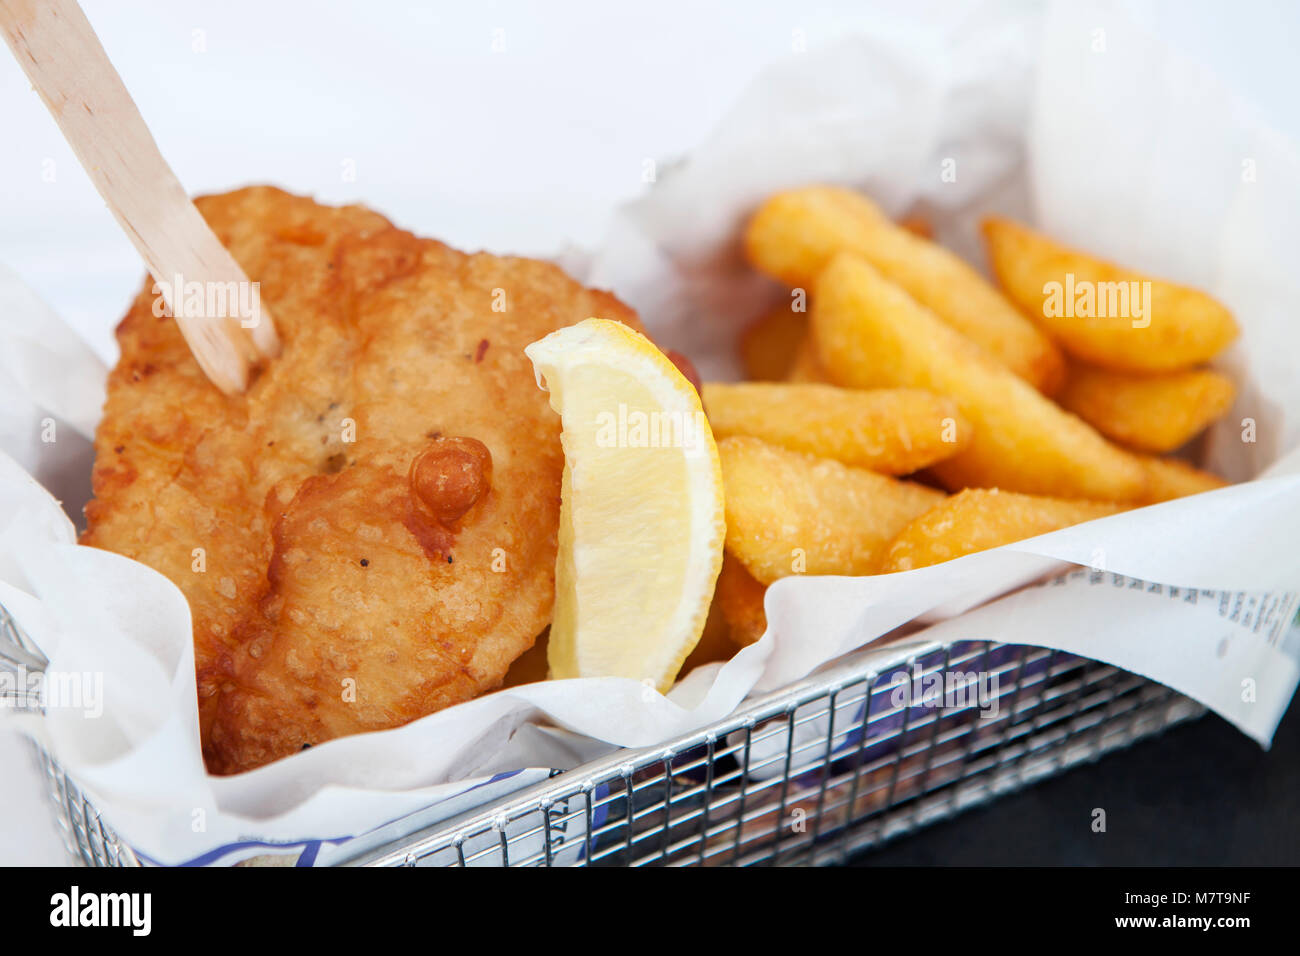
(58, 50)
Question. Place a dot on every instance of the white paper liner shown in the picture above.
(1127, 150)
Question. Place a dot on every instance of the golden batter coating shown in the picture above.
(368, 534)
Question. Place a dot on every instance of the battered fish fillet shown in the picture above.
(369, 533)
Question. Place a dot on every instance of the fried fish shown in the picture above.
(368, 534)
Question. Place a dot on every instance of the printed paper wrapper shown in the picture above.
(1074, 121)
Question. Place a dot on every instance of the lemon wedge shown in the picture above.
(641, 513)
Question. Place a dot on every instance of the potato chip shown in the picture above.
(892, 431)
(715, 641)
(1155, 413)
(979, 519)
(796, 233)
(739, 596)
(807, 367)
(1170, 478)
(769, 345)
(792, 513)
(1113, 317)
(871, 334)
(917, 226)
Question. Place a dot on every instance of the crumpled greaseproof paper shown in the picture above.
(1071, 119)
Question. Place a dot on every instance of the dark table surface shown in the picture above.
(1201, 794)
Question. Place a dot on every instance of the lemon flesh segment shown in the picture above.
(641, 513)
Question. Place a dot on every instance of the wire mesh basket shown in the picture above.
(820, 770)
(867, 749)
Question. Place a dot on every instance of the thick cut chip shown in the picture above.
(715, 642)
(1102, 313)
(739, 595)
(792, 513)
(1170, 478)
(892, 431)
(768, 345)
(1155, 413)
(795, 234)
(872, 334)
(807, 366)
(979, 519)
(918, 226)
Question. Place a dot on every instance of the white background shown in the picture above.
(525, 149)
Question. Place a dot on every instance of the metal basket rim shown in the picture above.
(844, 671)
